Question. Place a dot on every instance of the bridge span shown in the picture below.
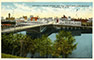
(58, 26)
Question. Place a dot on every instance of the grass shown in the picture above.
(9, 56)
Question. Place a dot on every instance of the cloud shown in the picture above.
(23, 9)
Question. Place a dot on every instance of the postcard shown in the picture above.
(46, 29)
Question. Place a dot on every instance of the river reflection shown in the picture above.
(84, 47)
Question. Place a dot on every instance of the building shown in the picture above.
(2, 18)
(69, 18)
(25, 17)
(90, 20)
(9, 17)
(70, 23)
(19, 20)
(55, 20)
(31, 16)
(64, 18)
(50, 19)
(79, 19)
(34, 18)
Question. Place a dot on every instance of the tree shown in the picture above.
(21, 44)
(7, 43)
(42, 45)
(15, 44)
(45, 46)
(64, 44)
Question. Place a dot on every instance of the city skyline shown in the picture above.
(19, 9)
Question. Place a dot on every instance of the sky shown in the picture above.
(51, 9)
(46, 0)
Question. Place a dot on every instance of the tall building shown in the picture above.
(9, 17)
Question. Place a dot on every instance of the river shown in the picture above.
(84, 47)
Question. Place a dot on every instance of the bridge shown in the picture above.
(43, 26)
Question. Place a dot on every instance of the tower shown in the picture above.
(9, 15)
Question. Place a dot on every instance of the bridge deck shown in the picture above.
(32, 26)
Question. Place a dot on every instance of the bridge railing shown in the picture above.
(69, 23)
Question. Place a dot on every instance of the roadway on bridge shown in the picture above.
(31, 25)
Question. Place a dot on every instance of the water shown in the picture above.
(84, 47)
(22, 32)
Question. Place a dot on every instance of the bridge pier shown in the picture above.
(71, 28)
(67, 28)
(39, 31)
(75, 28)
(63, 27)
(79, 28)
(83, 28)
